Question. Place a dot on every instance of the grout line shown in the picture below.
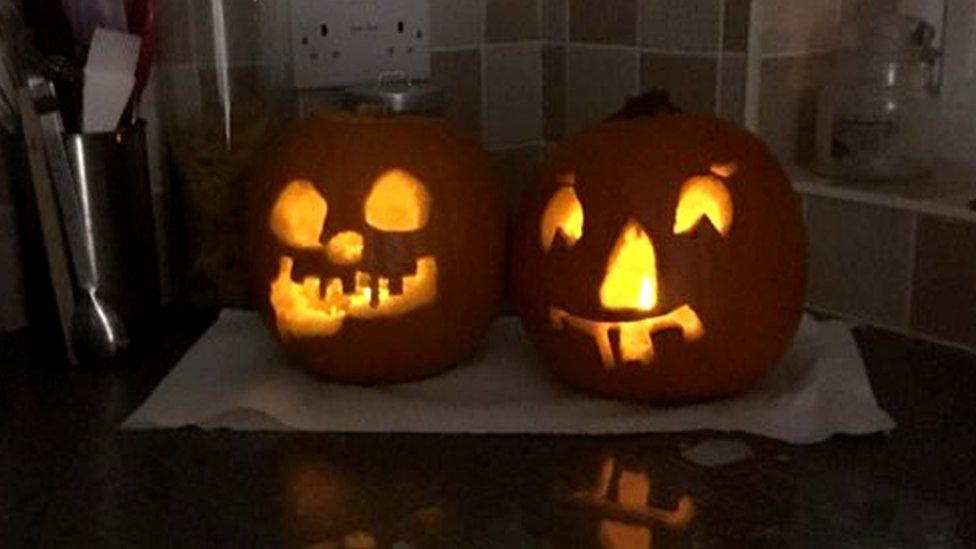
(682, 53)
(483, 24)
(514, 44)
(912, 255)
(640, 49)
(565, 91)
(639, 31)
(637, 73)
(567, 13)
(516, 146)
(719, 63)
(539, 26)
(540, 81)
(192, 21)
(592, 45)
(753, 67)
(797, 53)
(454, 47)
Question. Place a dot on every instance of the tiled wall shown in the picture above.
(551, 67)
(597, 53)
(518, 73)
(909, 271)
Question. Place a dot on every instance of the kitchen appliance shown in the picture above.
(874, 121)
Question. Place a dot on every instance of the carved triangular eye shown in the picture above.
(563, 215)
(705, 196)
(298, 215)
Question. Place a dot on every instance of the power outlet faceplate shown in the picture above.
(344, 42)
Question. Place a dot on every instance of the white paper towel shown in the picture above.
(236, 377)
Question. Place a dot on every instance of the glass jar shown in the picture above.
(874, 120)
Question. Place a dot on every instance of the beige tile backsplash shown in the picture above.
(455, 22)
(511, 20)
(860, 259)
(735, 28)
(603, 21)
(683, 25)
(598, 82)
(555, 20)
(553, 92)
(732, 90)
(503, 80)
(459, 73)
(513, 105)
(690, 79)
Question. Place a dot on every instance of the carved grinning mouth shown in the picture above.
(632, 338)
(310, 308)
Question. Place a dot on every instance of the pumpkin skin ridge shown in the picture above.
(775, 241)
(464, 232)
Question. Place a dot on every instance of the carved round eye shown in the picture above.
(563, 215)
(398, 202)
(298, 215)
(705, 196)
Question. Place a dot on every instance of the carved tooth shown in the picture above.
(374, 291)
(396, 285)
(348, 282)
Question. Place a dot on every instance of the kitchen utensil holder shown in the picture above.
(110, 174)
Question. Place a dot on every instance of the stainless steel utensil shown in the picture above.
(97, 332)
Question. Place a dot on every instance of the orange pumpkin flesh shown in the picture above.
(377, 245)
(661, 259)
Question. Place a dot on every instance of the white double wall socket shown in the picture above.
(344, 42)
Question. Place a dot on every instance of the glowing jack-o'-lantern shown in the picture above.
(377, 243)
(661, 259)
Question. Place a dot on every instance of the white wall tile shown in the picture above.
(514, 94)
(455, 22)
(598, 82)
(860, 259)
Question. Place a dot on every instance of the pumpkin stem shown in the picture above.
(655, 102)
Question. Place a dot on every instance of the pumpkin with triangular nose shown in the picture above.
(661, 259)
(377, 244)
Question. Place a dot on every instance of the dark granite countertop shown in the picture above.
(71, 478)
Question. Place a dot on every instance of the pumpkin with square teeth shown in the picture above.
(377, 245)
(661, 259)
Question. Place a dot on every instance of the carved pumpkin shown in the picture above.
(661, 259)
(377, 244)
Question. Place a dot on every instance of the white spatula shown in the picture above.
(109, 78)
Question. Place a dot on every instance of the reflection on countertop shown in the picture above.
(70, 477)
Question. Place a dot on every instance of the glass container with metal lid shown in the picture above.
(397, 94)
(873, 121)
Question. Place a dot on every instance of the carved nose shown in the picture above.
(630, 282)
(345, 248)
